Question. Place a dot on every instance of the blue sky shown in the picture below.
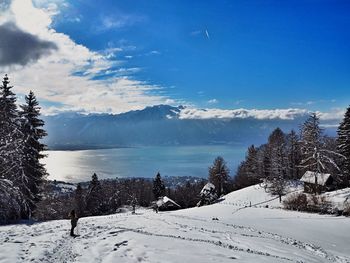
(214, 54)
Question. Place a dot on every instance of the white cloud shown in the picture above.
(285, 114)
(67, 76)
(334, 114)
(108, 22)
(213, 101)
(155, 52)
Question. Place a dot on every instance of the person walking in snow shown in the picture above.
(73, 220)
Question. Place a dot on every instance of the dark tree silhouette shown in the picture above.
(158, 186)
(94, 196)
(344, 147)
(219, 174)
(35, 172)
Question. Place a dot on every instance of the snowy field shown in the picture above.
(252, 234)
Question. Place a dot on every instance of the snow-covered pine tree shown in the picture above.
(315, 156)
(219, 174)
(34, 171)
(158, 187)
(311, 144)
(344, 147)
(93, 196)
(10, 202)
(9, 131)
(11, 146)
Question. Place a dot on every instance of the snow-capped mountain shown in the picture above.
(168, 125)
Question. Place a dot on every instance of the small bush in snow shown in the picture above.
(346, 211)
(297, 202)
(308, 203)
(319, 204)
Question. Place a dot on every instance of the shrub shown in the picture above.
(309, 203)
(319, 204)
(297, 202)
(346, 211)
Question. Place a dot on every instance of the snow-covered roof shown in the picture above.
(309, 177)
(163, 200)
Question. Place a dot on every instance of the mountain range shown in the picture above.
(165, 125)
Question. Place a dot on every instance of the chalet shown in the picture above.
(165, 204)
(317, 182)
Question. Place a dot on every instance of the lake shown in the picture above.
(77, 166)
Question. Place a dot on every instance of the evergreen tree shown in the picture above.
(219, 174)
(315, 156)
(79, 201)
(10, 133)
(294, 156)
(266, 160)
(276, 180)
(11, 146)
(344, 147)
(32, 149)
(93, 196)
(311, 144)
(158, 187)
(252, 165)
(10, 202)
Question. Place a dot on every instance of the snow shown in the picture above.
(247, 234)
(208, 188)
(164, 200)
(309, 177)
(339, 197)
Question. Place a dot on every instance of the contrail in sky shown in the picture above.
(207, 34)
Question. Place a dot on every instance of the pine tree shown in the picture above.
(252, 165)
(158, 187)
(219, 174)
(10, 202)
(32, 149)
(79, 201)
(311, 144)
(315, 156)
(11, 146)
(276, 180)
(10, 134)
(294, 156)
(344, 147)
(93, 196)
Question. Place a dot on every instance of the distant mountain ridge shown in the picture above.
(161, 125)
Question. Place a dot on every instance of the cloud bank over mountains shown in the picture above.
(283, 114)
(167, 125)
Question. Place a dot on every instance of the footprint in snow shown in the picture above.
(118, 245)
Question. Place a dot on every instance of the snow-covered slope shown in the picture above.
(216, 233)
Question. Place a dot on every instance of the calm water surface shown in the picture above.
(76, 166)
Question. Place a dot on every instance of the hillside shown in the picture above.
(252, 234)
